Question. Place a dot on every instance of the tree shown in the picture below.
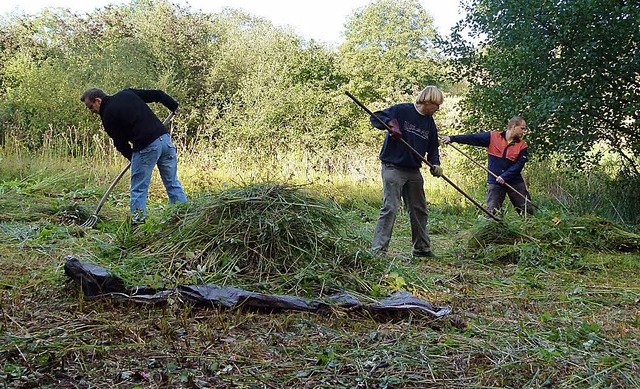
(389, 51)
(571, 68)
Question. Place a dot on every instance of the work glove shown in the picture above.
(436, 171)
(395, 129)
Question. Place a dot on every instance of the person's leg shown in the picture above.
(416, 204)
(142, 164)
(518, 201)
(168, 167)
(392, 183)
(495, 197)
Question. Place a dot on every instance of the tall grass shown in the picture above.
(205, 165)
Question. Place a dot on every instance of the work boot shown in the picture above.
(424, 254)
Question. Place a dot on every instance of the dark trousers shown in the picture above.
(497, 193)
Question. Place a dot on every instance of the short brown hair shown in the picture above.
(92, 93)
(515, 121)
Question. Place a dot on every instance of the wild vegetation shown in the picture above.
(282, 176)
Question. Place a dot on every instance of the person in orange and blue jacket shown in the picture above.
(507, 155)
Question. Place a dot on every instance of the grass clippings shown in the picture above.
(564, 315)
(267, 235)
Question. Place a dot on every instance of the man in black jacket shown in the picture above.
(140, 137)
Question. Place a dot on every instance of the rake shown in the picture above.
(93, 219)
(526, 198)
(491, 215)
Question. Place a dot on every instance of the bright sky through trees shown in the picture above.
(323, 20)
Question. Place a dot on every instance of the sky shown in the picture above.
(320, 20)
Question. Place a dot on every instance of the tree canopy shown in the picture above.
(240, 80)
(571, 68)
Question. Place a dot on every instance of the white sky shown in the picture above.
(321, 20)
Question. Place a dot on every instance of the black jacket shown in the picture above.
(130, 122)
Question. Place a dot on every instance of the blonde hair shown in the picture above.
(430, 94)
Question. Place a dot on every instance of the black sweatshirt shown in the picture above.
(128, 120)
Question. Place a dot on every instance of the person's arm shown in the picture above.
(116, 133)
(433, 149)
(119, 139)
(157, 96)
(388, 117)
(479, 139)
(515, 169)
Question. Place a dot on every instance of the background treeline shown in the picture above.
(252, 91)
(240, 80)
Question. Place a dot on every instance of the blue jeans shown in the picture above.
(163, 154)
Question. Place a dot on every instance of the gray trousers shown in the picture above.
(408, 185)
(497, 193)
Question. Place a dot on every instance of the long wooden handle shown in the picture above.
(119, 176)
(491, 215)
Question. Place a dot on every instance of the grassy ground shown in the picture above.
(534, 304)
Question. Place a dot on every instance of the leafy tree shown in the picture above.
(252, 88)
(571, 68)
(389, 50)
(36, 85)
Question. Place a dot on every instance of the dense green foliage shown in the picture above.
(253, 92)
(240, 80)
(571, 68)
(389, 51)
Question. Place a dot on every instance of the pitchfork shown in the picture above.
(93, 219)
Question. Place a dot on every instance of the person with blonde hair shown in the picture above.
(401, 176)
(507, 154)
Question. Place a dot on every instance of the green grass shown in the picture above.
(535, 304)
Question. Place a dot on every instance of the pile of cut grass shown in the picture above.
(273, 236)
(506, 240)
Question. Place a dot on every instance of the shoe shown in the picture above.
(379, 253)
(424, 254)
(137, 218)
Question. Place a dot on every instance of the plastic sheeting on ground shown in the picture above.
(95, 281)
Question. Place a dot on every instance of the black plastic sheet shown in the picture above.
(95, 281)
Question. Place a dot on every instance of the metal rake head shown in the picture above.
(90, 222)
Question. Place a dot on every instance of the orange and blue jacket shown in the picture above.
(506, 159)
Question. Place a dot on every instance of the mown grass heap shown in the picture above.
(515, 239)
(256, 234)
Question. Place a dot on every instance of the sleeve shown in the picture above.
(433, 151)
(479, 139)
(156, 96)
(515, 169)
(386, 116)
(114, 130)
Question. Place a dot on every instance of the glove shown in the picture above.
(395, 129)
(176, 111)
(436, 171)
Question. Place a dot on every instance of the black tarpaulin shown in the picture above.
(95, 281)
